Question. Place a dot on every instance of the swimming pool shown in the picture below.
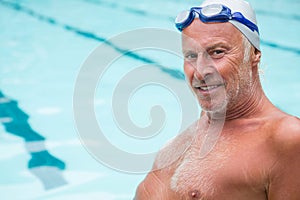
(45, 43)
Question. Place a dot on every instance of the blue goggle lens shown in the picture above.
(211, 10)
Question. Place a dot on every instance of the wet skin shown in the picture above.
(257, 154)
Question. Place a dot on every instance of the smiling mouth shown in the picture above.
(207, 88)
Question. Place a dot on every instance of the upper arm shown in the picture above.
(285, 175)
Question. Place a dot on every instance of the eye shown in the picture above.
(217, 53)
(190, 56)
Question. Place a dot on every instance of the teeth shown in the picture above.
(206, 88)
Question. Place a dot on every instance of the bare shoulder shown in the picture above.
(284, 175)
(286, 132)
(285, 139)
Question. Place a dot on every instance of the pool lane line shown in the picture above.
(15, 6)
(281, 47)
(278, 15)
(131, 10)
(141, 12)
(174, 73)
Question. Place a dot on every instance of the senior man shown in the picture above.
(257, 152)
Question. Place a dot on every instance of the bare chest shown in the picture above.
(231, 170)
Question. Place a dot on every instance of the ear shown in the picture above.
(256, 55)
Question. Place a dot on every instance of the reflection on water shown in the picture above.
(46, 167)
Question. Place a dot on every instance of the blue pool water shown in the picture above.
(43, 46)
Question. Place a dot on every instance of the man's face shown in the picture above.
(214, 64)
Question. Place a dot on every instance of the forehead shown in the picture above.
(205, 34)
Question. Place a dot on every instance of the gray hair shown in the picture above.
(247, 49)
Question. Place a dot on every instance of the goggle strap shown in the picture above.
(237, 16)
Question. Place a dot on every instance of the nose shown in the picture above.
(204, 66)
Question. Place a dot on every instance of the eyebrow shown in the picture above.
(208, 48)
(188, 51)
(219, 44)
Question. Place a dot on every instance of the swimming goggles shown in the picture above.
(211, 13)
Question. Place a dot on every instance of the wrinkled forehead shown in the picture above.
(200, 35)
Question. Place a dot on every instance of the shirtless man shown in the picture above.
(257, 153)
